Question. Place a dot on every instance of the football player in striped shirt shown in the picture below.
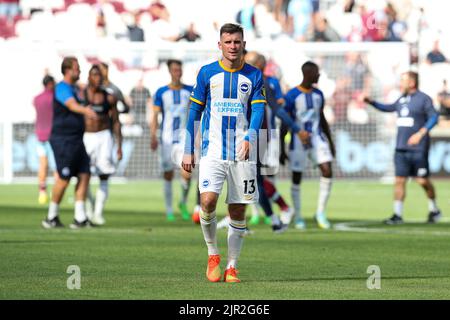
(230, 95)
(305, 104)
(172, 101)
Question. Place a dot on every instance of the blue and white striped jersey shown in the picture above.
(173, 102)
(227, 96)
(305, 107)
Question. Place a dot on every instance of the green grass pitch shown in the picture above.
(138, 255)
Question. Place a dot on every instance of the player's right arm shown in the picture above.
(289, 106)
(157, 105)
(381, 106)
(65, 96)
(198, 102)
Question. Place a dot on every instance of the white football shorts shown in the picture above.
(240, 176)
(99, 147)
(319, 153)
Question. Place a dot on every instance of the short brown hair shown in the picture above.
(232, 28)
(67, 64)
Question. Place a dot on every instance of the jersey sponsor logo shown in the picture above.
(229, 107)
(405, 122)
(244, 87)
(404, 112)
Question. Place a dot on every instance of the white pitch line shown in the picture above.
(86, 231)
(358, 226)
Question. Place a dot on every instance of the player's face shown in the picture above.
(315, 75)
(176, 72)
(406, 83)
(75, 72)
(95, 78)
(232, 46)
(50, 86)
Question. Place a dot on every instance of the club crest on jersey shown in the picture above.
(65, 172)
(205, 183)
(244, 87)
(422, 172)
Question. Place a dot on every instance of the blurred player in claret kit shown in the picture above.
(230, 95)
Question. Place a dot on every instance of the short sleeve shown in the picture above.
(63, 93)
(277, 90)
(258, 93)
(198, 94)
(289, 102)
(158, 99)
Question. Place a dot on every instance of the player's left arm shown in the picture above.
(116, 125)
(432, 116)
(326, 129)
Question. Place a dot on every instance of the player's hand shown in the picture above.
(91, 114)
(415, 139)
(188, 162)
(244, 150)
(153, 143)
(366, 99)
(283, 158)
(119, 153)
(304, 137)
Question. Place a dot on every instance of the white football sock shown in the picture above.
(80, 213)
(168, 196)
(235, 239)
(295, 194)
(398, 208)
(275, 220)
(90, 204)
(208, 221)
(53, 210)
(185, 186)
(432, 206)
(255, 211)
(324, 193)
(100, 198)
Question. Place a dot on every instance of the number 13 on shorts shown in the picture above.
(249, 186)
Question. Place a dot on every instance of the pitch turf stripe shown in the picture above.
(359, 226)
